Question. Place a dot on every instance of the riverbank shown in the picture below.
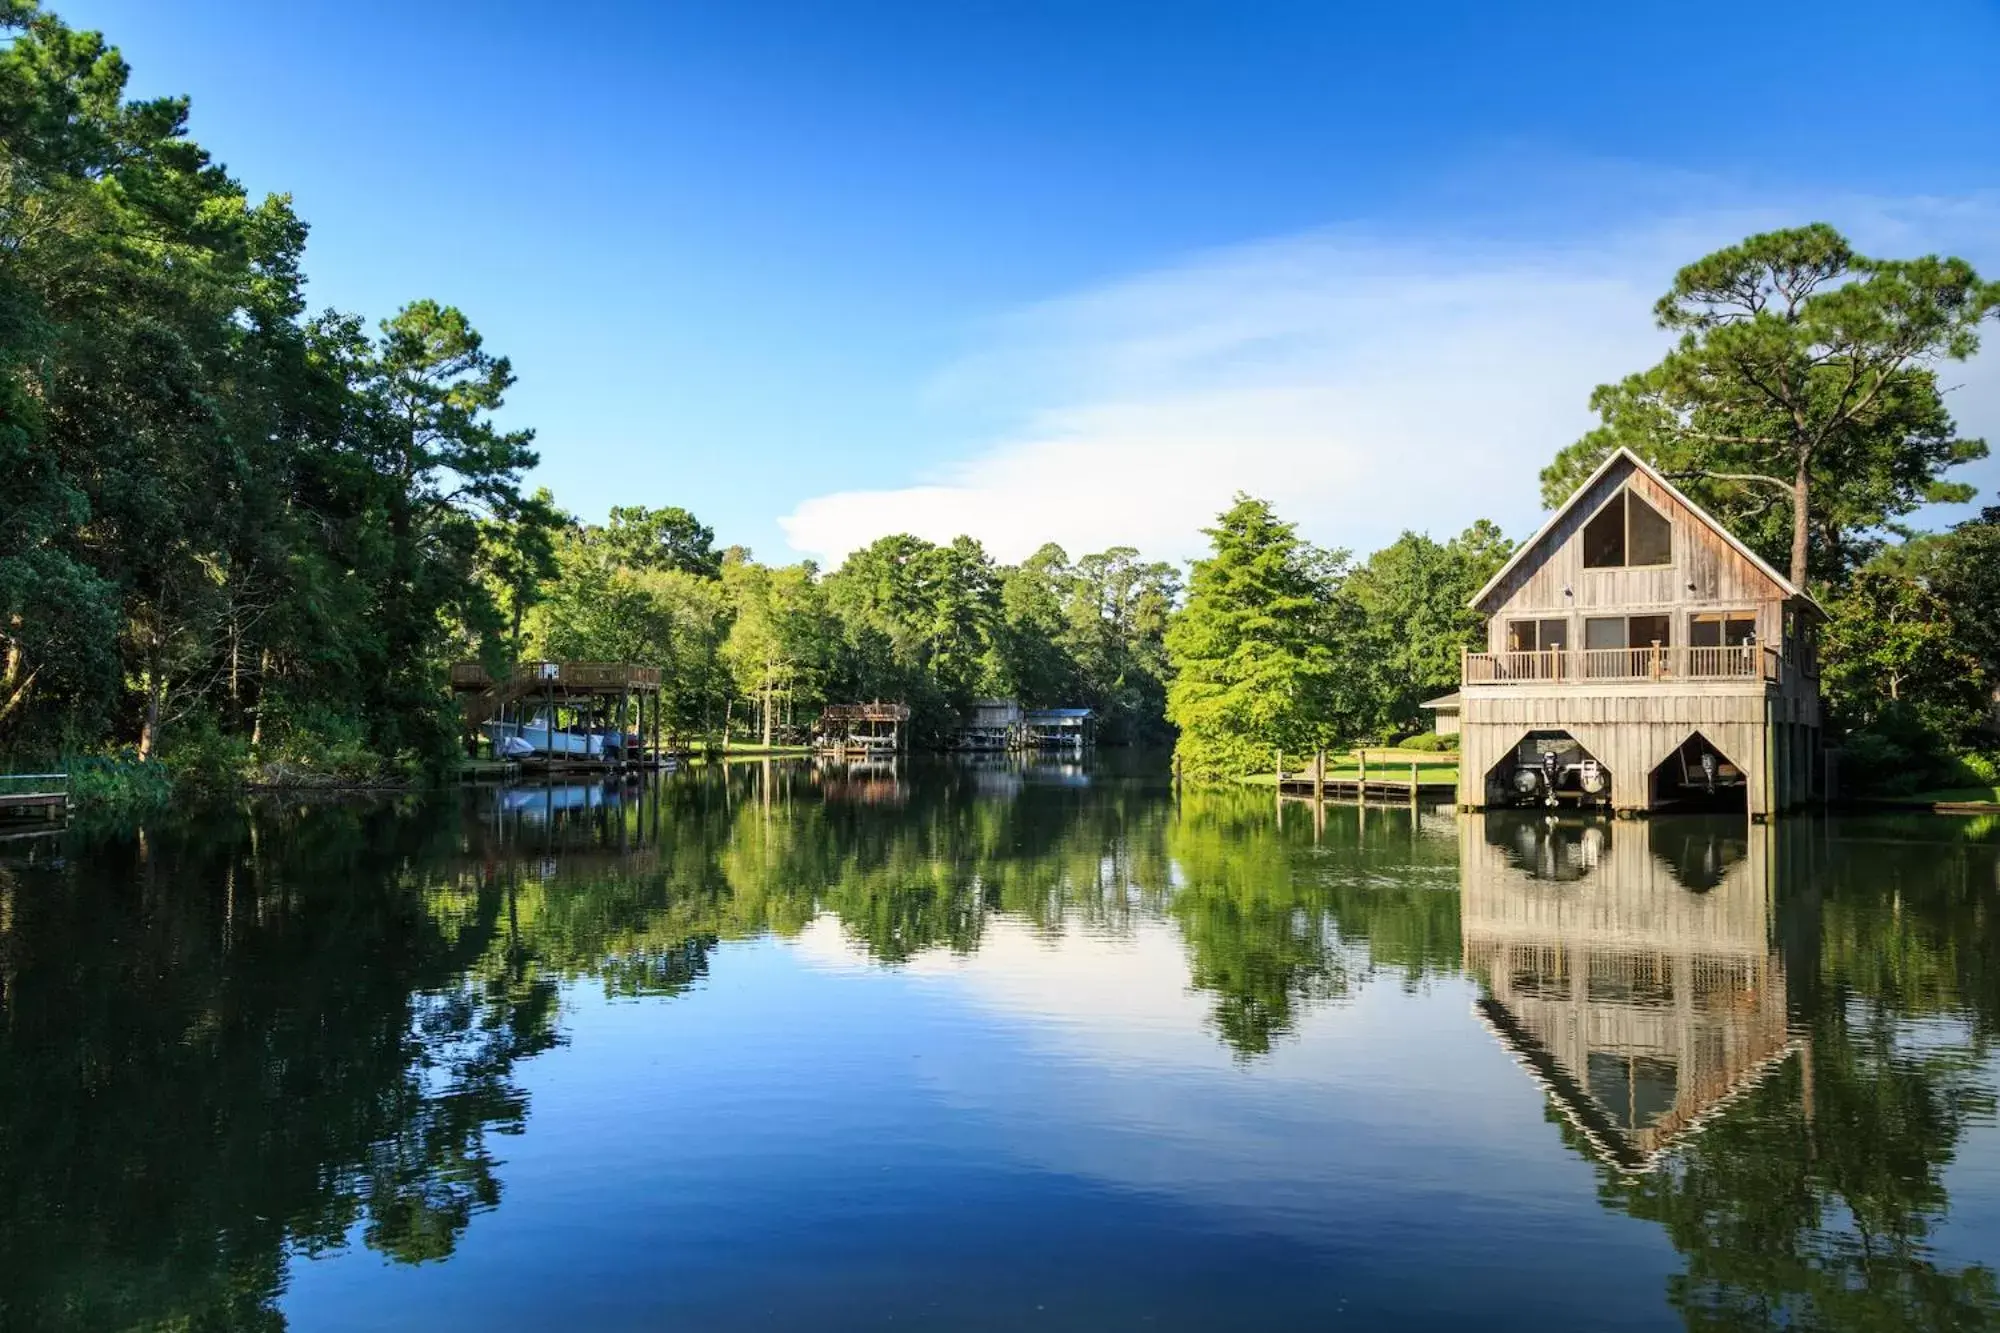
(1433, 768)
(1980, 800)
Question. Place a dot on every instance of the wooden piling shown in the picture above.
(1361, 787)
(1413, 782)
(1319, 777)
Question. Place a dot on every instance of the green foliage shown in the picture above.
(121, 784)
(1800, 405)
(318, 747)
(1913, 660)
(670, 538)
(204, 758)
(1414, 599)
(1260, 653)
(215, 507)
(1429, 742)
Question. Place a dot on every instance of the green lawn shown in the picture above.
(1383, 766)
(1960, 795)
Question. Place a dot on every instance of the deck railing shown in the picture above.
(571, 675)
(1661, 663)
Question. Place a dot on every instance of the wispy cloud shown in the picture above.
(1363, 385)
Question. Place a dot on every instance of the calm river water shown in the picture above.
(995, 1047)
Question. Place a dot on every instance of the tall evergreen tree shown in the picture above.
(1801, 404)
(1257, 651)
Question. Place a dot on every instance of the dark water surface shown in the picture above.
(995, 1047)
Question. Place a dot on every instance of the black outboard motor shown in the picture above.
(1550, 767)
(1708, 768)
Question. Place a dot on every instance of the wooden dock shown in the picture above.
(35, 795)
(1301, 788)
(1397, 781)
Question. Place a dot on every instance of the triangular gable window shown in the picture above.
(1627, 532)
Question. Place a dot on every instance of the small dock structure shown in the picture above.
(1393, 777)
(991, 726)
(995, 726)
(580, 715)
(1072, 729)
(32, 803)
(862, 731)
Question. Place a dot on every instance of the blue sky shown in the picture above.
(821, 271)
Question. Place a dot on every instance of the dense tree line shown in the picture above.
(237, 533)
(226, 522)
(759, 649)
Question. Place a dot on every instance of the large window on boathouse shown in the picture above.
(1628, 532)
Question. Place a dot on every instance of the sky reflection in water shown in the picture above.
(992, 1047)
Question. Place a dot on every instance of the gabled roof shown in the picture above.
(1622, 454)
(1442, 701)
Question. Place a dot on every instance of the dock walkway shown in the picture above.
(48, 795)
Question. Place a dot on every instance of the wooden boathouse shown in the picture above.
(861, 730)
(619, 698)
(991, 725)
(1004, 725)
(1640, 656)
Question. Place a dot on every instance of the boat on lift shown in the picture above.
(542, 739)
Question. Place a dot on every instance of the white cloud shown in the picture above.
(1363, 386)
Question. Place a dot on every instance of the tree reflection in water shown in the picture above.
(236, 1037)
(1804, 1191)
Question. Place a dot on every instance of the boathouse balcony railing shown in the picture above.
(1744, 662)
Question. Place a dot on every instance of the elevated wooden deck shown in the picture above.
(566, 678)
(1746, 663)
(874, 712)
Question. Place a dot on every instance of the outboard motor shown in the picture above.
(1550, 767)
(1708, 768)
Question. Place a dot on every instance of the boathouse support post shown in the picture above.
(1319, 777)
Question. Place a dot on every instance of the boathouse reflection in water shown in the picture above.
(1631, 967)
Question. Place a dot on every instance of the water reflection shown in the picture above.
(234, 1042)
(1772, 1038)
(1644, 997)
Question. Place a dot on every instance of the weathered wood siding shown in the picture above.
(1624, 961)
(1769, 735)
(1707, 574)
(1768, 730)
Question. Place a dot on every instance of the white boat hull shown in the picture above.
(540, 739)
